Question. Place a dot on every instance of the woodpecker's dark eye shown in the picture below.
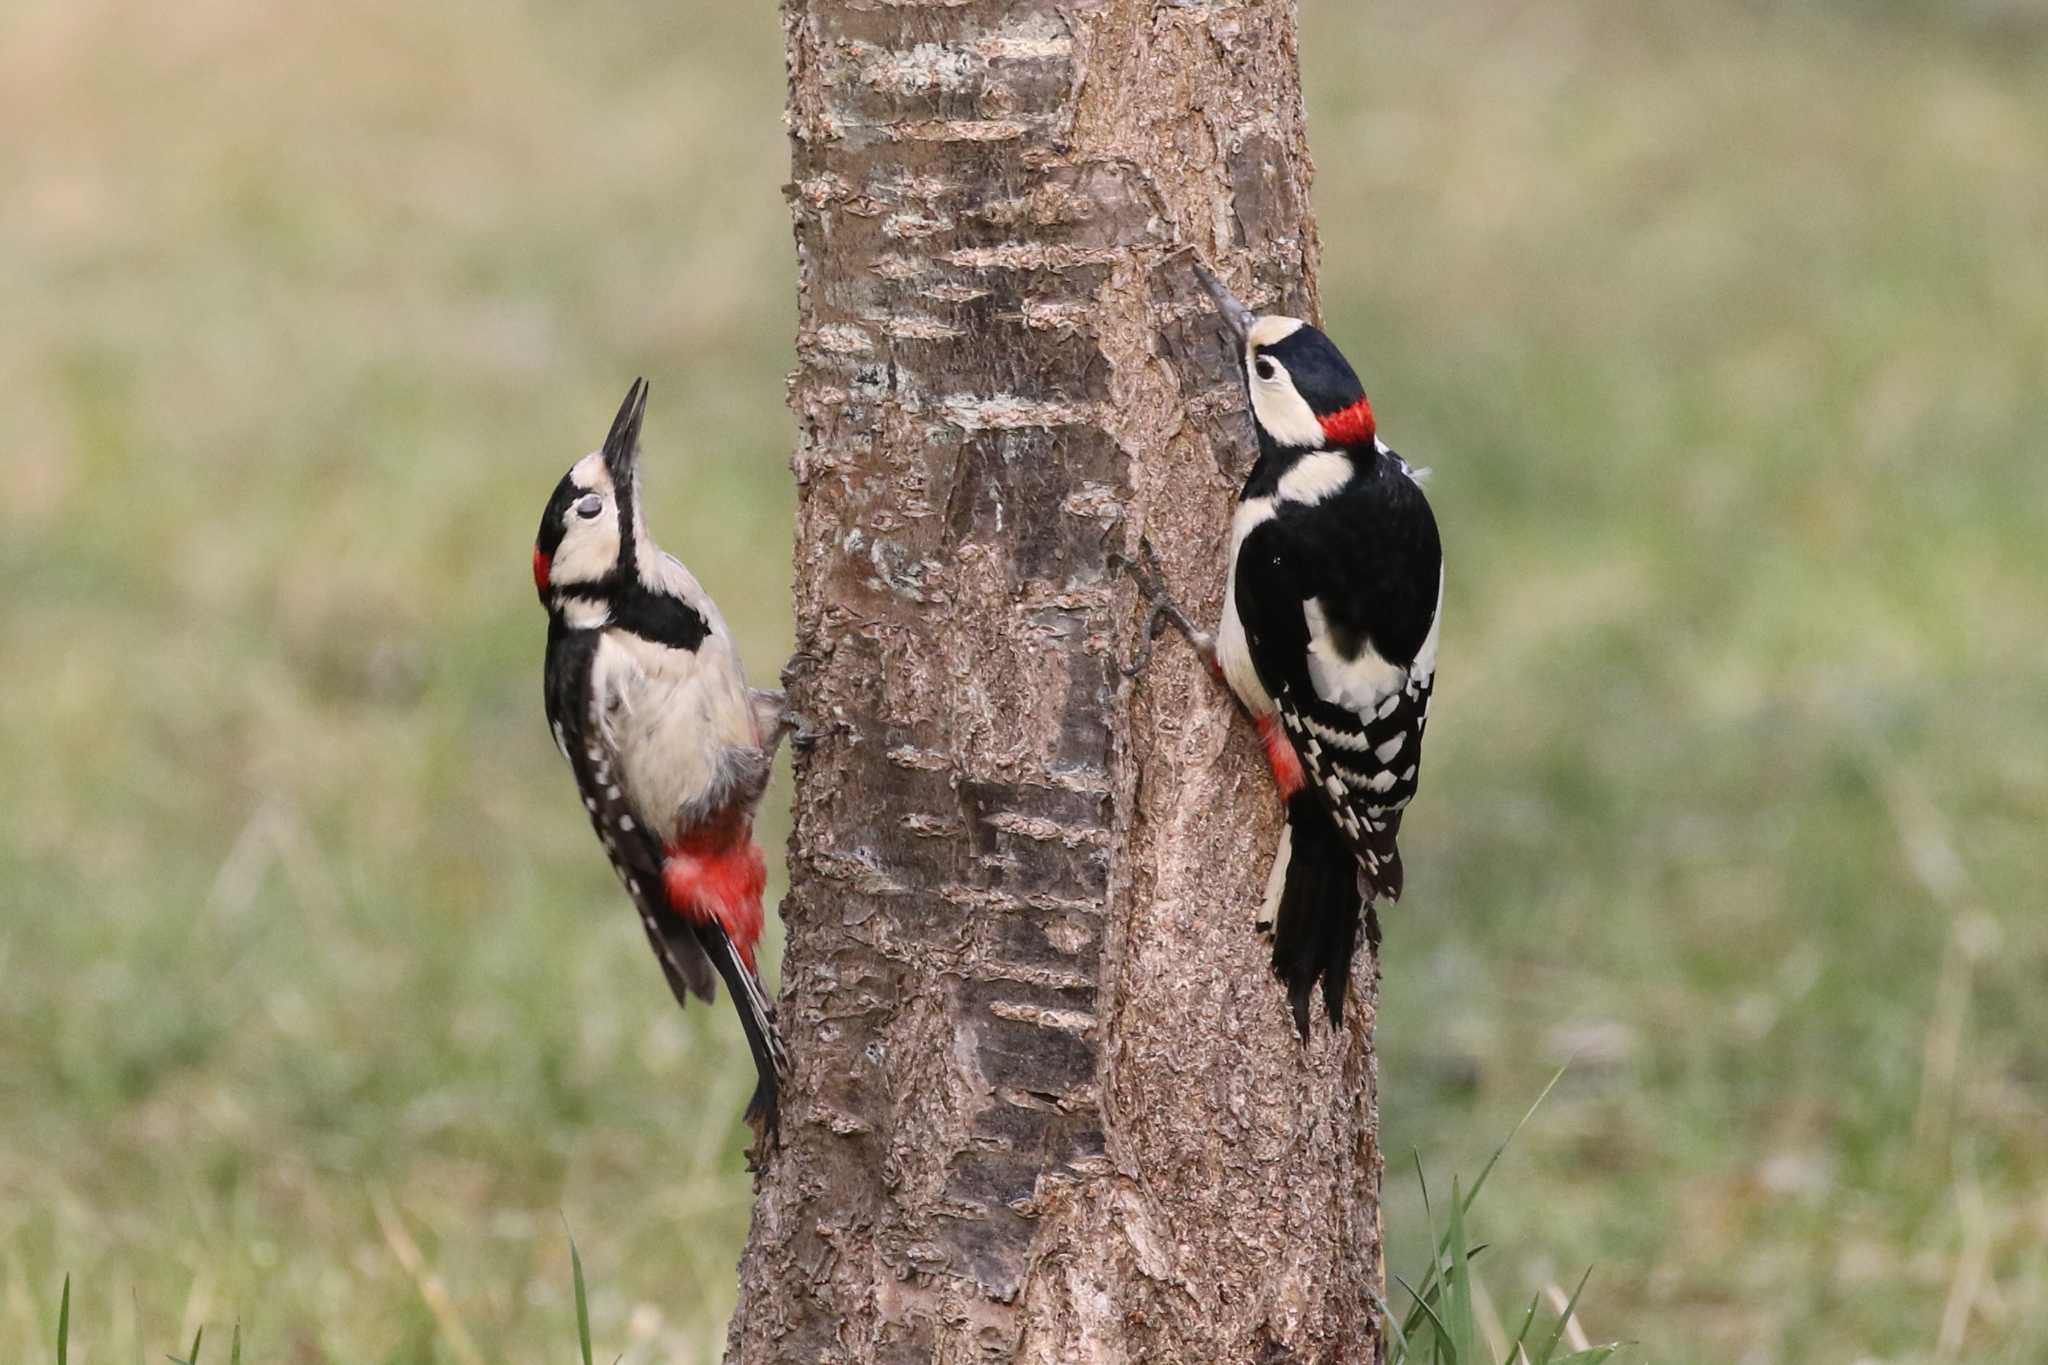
(1266, 369)
(589, 505)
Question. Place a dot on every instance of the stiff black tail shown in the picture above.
(757, 1020)
(1315, 925)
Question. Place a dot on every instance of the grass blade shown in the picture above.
(1412, 1322)
(1528, 1321)
(582, 1298)
(432, 1291)
(1386, 1313)
(235, 1345)
(1521, 1123)
(1459, 1285)
(1563, 1319)
(1436, 1321)
(64, 1324)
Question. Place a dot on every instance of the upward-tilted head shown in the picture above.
(1304, 394)
(591, 532)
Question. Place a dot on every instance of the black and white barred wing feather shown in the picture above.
(1358, 728)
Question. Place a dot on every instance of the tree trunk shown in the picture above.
(1047, 1104)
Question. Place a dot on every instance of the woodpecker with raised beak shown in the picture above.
(670, 747)
(1328, 638)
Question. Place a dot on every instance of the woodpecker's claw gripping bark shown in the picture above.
(799, 664)
(806, 734)
(1151, 580)
(802, 732)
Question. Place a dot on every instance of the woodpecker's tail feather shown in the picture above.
(757, 1021)
(1315, 883)
(681, 956)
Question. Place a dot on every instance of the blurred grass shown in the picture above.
(1724, 325)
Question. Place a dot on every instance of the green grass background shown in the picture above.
(1724, 325)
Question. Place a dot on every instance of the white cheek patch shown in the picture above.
(592, 472)
(1284, 413)
(588, 550)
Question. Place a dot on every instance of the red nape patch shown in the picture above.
(718, 880)
(541, 565)
(1281, 758)
(1351, 427)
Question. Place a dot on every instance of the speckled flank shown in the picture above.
(1046, 1102)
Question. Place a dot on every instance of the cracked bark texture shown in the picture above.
(1046, 1102)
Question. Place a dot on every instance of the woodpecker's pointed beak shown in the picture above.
(622, 445)
(1236, 316)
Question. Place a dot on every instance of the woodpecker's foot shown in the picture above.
(1151, 581)
(799, 664)
(804, 733)
(1142, 660)
(773, 720)
(1372, 931)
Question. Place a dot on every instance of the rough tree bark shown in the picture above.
(1046, 1103)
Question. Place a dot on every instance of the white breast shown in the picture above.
(673, 716)
(1232, 653)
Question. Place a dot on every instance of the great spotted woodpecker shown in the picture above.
(1328, 638)
(670, 747)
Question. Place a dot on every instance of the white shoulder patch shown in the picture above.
(1315, 477)
(1358, 684)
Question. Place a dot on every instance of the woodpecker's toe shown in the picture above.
(1151, 582)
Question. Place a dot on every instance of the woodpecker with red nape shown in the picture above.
(1328, 638)
(670, 747)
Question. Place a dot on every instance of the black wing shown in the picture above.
(1339, 602)
(635, 852)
